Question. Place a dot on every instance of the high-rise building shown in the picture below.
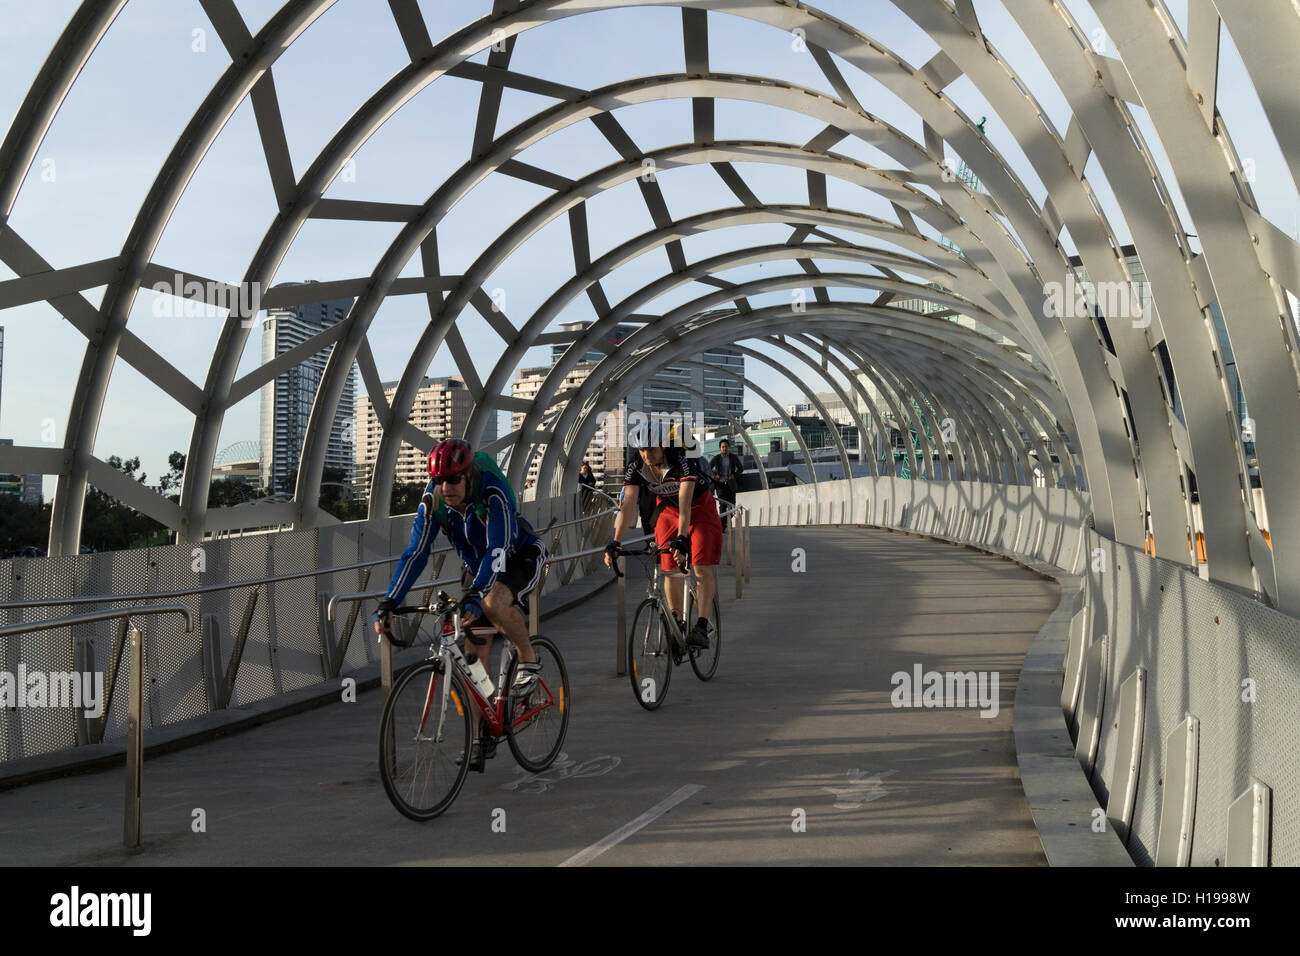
(11, 485)
(614, 336)
(528, 382)
(287, 401)
(441, 409)
(23, 487)
(664, 393)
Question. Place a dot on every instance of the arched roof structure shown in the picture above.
(1104, 399)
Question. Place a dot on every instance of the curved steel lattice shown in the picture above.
(1024, 375)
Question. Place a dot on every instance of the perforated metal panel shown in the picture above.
(255, 679)
(297, 645)
(173, 658)
(1178, 801)
(1092, 699)
(1249, 822)
(1126, 755)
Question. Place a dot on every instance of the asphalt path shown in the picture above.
(793, 754)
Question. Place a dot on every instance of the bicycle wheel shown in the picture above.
(416, 763)
(536, 724)
(705, 661)
(649, 655)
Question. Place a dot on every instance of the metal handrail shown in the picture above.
(252, 582)
(735, 513)
(349, 597)
(29, 626)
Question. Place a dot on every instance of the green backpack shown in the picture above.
(486, 464)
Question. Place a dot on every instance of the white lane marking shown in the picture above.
(622, 833)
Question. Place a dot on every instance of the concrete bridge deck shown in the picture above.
(798, 718)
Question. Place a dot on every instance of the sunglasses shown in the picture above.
(452, 479)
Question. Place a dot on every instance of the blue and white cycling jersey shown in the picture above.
(478, 541)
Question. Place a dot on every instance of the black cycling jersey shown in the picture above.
(679, 467)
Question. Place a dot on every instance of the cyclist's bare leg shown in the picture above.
(707, 585)
(499, 606)
(675, 593)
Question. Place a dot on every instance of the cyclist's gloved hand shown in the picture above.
(611, 552)
(471, 605)
(383, 616)
(682, 545)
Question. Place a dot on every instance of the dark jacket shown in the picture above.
(732, 483)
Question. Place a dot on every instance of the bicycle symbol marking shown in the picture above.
(563, 768)
(863, 787)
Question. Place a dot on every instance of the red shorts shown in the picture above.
(706, 532)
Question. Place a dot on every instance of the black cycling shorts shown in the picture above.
(523, 573)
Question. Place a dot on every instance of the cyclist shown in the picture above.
(685, 520)
(499, 549)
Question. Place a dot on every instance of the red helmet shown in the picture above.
(448, 458)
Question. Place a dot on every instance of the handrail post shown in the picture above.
(620, 638)
(134, 738)
(535, 610)
(746, 544)
(736, 563)
(385, 670)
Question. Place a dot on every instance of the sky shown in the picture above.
(160, 57)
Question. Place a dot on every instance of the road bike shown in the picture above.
(657, 639)
(428, 720)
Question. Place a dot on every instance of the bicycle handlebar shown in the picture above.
(647, 549)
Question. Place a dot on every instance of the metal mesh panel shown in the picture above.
(41, 729)
(1164, 618)
(297, 642)
(173, 658)
(255, 679)
(225, 607)
(1264, 646)
(337, 545)
(117, 572)
(373, 543)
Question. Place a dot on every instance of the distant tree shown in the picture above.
(175, 473)
(23, 525)
(406, 497)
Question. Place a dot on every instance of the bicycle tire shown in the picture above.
(705, 662)
(649, 641)
(413, 701)
(532, 746)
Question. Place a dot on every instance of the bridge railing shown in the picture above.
(260, 603)
(1180, 696)
(590, 554)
